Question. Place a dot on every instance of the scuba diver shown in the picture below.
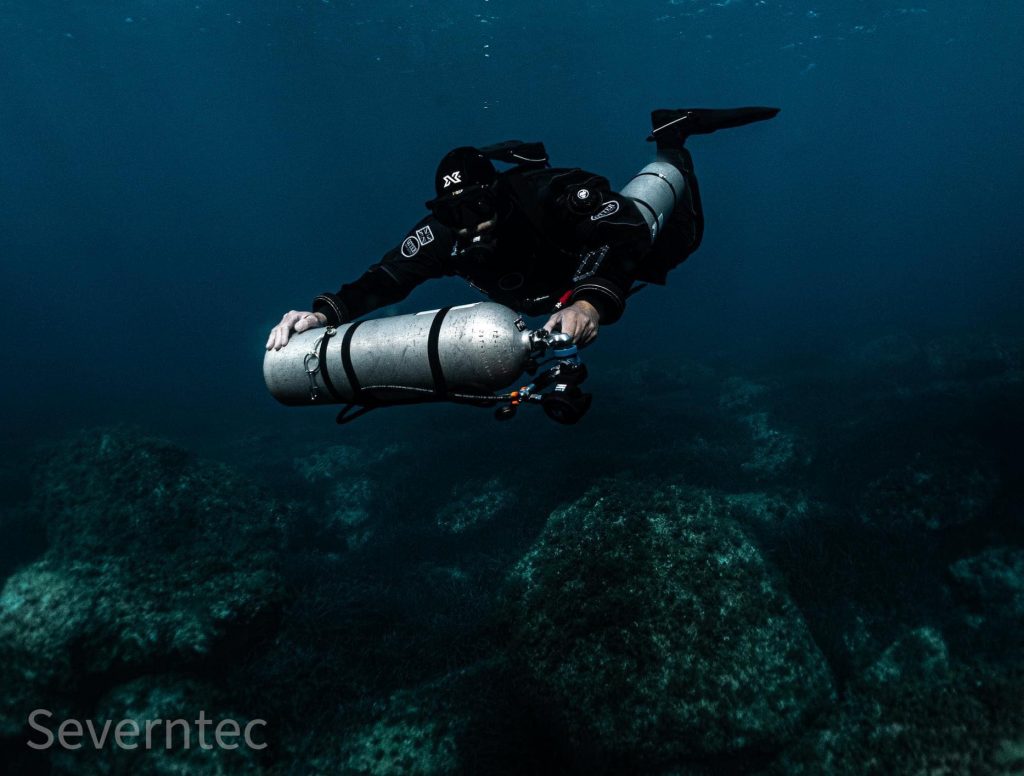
(542, 240)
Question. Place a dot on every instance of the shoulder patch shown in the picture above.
(410, 246)
(425, 235)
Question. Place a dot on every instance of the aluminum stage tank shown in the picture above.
(656, 189)
(480, 347)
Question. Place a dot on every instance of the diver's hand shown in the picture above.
(580, 319)
(293, 321)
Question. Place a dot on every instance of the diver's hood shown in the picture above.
(465, 178)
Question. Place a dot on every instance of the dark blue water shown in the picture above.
(835, 377)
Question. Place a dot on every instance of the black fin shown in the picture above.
(670, 128)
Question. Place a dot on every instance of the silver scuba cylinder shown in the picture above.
(479, 347)
(656, 189)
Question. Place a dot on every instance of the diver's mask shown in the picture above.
(464, 184)
(466, 208)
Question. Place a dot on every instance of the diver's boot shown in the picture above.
(670, 128)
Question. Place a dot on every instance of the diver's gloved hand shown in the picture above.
(580, 320)
(293, 321)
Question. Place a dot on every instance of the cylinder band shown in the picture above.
(654, 215)
(440, 384)
(346, 360)
(324, 372)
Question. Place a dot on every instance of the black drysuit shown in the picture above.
(541, 254)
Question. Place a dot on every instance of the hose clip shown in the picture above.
(311, 362)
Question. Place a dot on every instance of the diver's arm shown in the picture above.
(606, 297)
(595, 300)
(422, 255)
(374, 289)
(580, 320)
(607, 264)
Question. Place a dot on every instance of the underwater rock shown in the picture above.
(967, 723)
(994, 579)
(340, 461)
(646, 628)
(770, 510)
(155, 560)
(474, 503)
(769, 450)
(344, 473)
(413, 734)
(920, 654)
(43, 613)
(774, 450)
(349, 502)
(973, 357)
(166, 698)
(148, 504)
(937, 491)
(462, 722)
(740, 394)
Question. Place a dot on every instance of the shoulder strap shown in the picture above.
(537, 193)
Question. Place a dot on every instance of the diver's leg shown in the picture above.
(683, 230)
(671, 127)
(666, 190)
(667, 197)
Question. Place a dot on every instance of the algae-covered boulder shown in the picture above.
(768, 448)
(921, 654)
(474, 503)
(989, 587)
(149, 503)
(942, 489)
(971, 722)
(460, 723)
(413, 732)
(647, 629)
(167, 750)
(772, 509)
(348, 480)
(992, 583)
(155, 561)
(773, 450)
(44, 613)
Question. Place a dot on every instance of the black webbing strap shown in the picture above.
(324, 373)
(675, 194)
(440, 384)
(517, 152)
(346, 360)
(347, 415)
(649, 209)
